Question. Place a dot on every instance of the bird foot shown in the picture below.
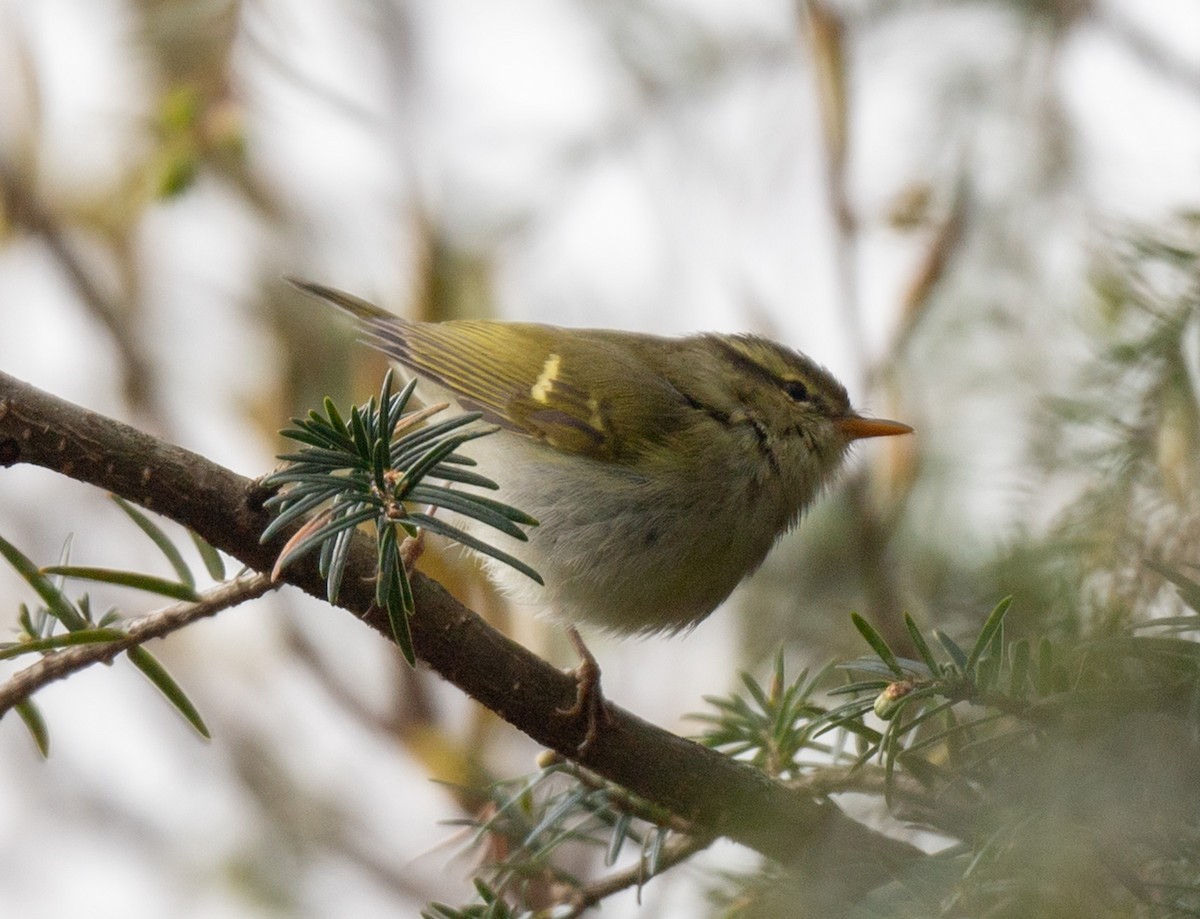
(589, 700)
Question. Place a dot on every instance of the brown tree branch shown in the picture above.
(717, 794)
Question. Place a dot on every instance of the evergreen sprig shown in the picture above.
(491, 906)
(534, 816)
(771, 726)
(373, 469)
(1019, 751)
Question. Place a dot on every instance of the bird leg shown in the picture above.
(589, 700)
(412, 549)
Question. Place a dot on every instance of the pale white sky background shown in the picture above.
(522, 127)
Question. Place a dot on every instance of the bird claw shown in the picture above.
(589, 700)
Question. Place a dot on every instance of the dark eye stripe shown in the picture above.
(798, 376)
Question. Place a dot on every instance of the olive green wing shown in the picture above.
(581, 392)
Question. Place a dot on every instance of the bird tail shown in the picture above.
(355, 306)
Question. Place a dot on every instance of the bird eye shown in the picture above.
(796, 390)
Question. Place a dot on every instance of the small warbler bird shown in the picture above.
(661, 470)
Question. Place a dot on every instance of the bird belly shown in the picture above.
(630, 552)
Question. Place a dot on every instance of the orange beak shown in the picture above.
(856, 427)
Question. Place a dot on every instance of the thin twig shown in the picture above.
(620, 797)
(677, 850)
(59, 664)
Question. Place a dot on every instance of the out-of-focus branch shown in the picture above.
(1154, 55)
(826, 34)
(719, 795)
(25, 210)
(945, 243)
